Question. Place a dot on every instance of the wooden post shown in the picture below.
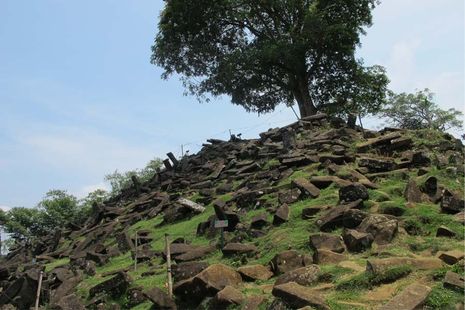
(168, 266)
(135, 253)
(39, 287)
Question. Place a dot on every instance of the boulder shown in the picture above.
(327, 242)
(253, 302)
(334, 216)
(382, 228)
(239, 249)
(353, 217)
(196, 253)
(326, 180)
(308, 213)
(444, 231)
(289, 196)
(187, 270)
(454, 281)
(255, 272)
(135, 296)
(282, 215)
(303, 276)
(115, 287)
(287, 261)
(451, 257)
(353, 192)
(411, 298)
(207, 283)
(69, 302)
(160, 299)
(259, 221)
(357, 241)
(298, 296)
(412, 192)
(229, 296)
(378, 266)
(377, 164)
(323, 256)
(307, 188)
(451, 202)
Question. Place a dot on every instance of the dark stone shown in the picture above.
(160, 299)
(377, 164)
(382, 228)
(334, 216)
(357, 241)
(282, 215)
(412, 192)
(454, 281)
(353, 192)
(326, 241)
(187, 270)
(308, 213)
(303, 276)
(255, 272)
(451, 203)
(70, 302)
(298, 296)
(307, 188)
(238, 249)
(229, 296)
(115, 287)
(353, 217)
(444, 231)
(289, 196)
(287, 261)
(259, 221)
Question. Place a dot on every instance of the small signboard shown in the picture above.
(221, 224)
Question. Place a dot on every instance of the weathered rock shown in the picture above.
(239, 248)
(307, 188)
(451, 203)
(196, 253)
(303, 276)
(114, 287)
(454, 281)
(135, 296)
(282, 215)
(334, 216)
(298, 296)
(353, 192)
(353, 217)
(289, 196)
(308, 213)
(420, 159)
(412, 192)
(70, 302)
(259, 221)
(357, 241)
(326, 180)
(124, 242)
(430, 187)
(381, 227)
(378, 266)
(65, 288)
(444, 231)
(187, 270)
(327, 242)
(255, 272)
(379, 141)
(207, 283)
(287, 261)
(451, 257)
(253, 302)
(411, 298)
(160, 299)
(228, 296)
(377, 164)
(323, 256)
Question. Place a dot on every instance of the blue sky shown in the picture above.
(79, 98)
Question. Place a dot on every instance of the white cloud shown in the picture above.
(5, 208)
(85, 190)
(401, 64)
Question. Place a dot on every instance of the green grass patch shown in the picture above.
(367, 280)
(442, 298)
(56, 263)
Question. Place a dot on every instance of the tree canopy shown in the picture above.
(419, 111)
(263, 53)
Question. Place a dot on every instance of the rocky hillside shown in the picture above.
(319, 216)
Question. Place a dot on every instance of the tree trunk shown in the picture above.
(304, 101)
(351, 120)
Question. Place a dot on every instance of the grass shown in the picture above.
(442, 298)
(56, 263)
(366, 280)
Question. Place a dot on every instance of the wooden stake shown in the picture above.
(168, 266)
(135, 254)
(39, 287)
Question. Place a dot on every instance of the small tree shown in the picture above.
(419, 111)
(23, 223)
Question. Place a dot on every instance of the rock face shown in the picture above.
(357, 241)
(115, 286)
(255, 272)
(411, 298)
(228, 296)
(381, 227)
(207, 283)
(298, 296)
(303, 276)
(184, 271)
(353, 192)
(281, 215)
(287, 261)
(160, 299)
(327, 242)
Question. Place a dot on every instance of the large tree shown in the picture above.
(263, 53)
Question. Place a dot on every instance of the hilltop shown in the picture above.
(318, 215)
